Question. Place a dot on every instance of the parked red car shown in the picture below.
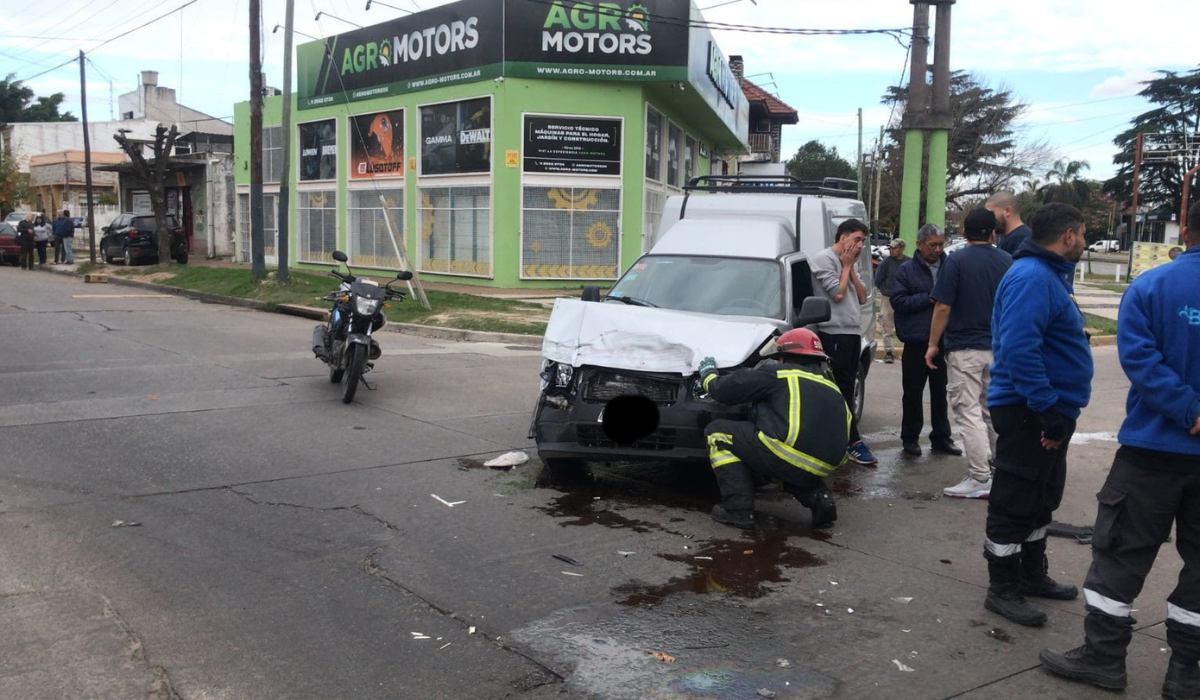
(10, 249)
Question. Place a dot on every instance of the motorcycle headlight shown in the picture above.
(366, 307)
(563, 374)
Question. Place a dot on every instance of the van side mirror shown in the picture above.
(591, 293)
(813, 310)
(340, 256)
(404, 275)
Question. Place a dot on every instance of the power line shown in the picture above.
(49, 70)
(141, 26)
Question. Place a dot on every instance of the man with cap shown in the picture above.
(962, 320)
(797, 430)
(883, 283)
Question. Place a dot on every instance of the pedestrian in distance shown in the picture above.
(797, 434)
(1154, 481)
(1041, 380)
(841, 335)
(57, 240)
(64, 234)
(962, 323)
(883, 283)
(1011, 232)
(911, 299)
(27, 238)
(41, 237)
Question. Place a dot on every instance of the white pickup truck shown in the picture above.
(727, 273)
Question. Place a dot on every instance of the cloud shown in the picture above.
(1128, 83)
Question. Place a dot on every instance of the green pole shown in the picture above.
(935, 202)
(910, 193)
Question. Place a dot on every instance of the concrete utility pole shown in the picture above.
(285, 178)
(878, 181)
(258, 267)
(87, 158)
(921, 116)
(860, 153)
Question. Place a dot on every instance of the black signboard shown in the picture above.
(574, 145)
(456, 137)
(318, 150)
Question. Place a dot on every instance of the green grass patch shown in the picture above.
(449, 310)
(1098, 325)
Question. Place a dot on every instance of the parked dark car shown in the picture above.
(130, 238)
(10, 249)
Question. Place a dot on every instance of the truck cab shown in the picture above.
(727, 273)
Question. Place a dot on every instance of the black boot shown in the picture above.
(817, 499)
(743, 519)
(1083, 664)
(1004, 592)
(1182, 681)
(1035, 578)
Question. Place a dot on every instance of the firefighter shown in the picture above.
(797, 430)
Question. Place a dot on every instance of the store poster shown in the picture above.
(318, 151)
(572, 145)
(456, 137)
(1147, 256)
(377, 145)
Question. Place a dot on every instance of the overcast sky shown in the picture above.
(1076, 64)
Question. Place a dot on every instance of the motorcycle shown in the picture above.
(345, 342)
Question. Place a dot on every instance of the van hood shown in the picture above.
(644, 339)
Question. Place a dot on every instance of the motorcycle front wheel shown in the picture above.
(354, 371)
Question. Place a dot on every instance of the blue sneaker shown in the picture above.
(860, 453)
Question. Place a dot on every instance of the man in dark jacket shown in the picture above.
(1041, 380)
(914, 312)
(797, 433)
(64, 238)
(1011, 232)
(1154, 482)
(883, 283)
(27, 239)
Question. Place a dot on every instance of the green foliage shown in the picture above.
(17, 104)
(15, 186)
(813, 161)
(1065, 185)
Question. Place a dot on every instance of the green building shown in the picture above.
(517, 142)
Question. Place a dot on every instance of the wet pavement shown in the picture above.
(291, 546)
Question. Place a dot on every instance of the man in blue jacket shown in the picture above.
(910, 295)
(1154, 481)
(1041, 380)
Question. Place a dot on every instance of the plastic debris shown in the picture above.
(902, 601)
(444, 645)
(906, 631)
(565, 558)
(508, 460)
(663, 657)
(625, 554)
(123, 523)
(471, 630)
(763, 692)
(833, 583)
(448, 504)
(569, 573)
(902, 667)
(828, 612)
(783, 663)
(850, 610)
(419, 635)
(748, 552)
(708, 558)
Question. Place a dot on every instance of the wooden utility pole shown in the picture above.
(285, 178)
(258, 267)
(87, 158)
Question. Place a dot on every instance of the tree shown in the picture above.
(153, 175)
(1064, 184)
(15, 186)
(1178, 111)
(813, 161)
(15, 104)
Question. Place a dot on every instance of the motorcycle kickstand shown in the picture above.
(367, 384)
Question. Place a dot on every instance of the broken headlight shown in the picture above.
(558, 375)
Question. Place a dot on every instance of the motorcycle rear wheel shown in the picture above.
(354, 371)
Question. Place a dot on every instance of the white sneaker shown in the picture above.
(969, 488)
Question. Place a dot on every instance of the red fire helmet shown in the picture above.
(800, 341)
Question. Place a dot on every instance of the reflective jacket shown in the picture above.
(801, 416)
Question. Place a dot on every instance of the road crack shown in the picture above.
(355, 508)
(162, 688)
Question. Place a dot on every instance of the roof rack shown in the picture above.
(776, 184)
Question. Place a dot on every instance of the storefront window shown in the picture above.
(456, 137)
(243, 227)
(652, 210)
(654, 125)
(270, 225)
(318, 151)
(370, 243)
(689, 160)
(377, 145)
(570, 233)
(272, 154)
(456, 231)
(317, 225)
(674, 153)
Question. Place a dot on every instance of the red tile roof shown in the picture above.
(774, 106)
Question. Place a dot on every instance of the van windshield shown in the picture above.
(724, 286)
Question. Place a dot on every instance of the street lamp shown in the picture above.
(727, 2)
(295, 31)
(392, 7)
(318, 19)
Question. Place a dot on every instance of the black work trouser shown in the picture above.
(27, 258)
(41, 251)
(1145, 493)
(844, 351)
(1027, 486)
(59, 255)
(738, 456)
(916, 374)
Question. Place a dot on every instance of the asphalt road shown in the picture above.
(288, 545)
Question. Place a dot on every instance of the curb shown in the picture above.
(414, 329)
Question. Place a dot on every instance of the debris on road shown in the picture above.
(568, 573)
(419, 635)
(763, 692)
(508, 460)
(625, 554)
(446, 503)
(708, 558)
(902, 667)
(661, 656)
(569, 560)
(850, 610)
(783, 663)
(903, 601)
(122, 523)
(471, 630)
(748, 552)
(444, 645)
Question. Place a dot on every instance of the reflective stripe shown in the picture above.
(707, 380)
(1178, 614)
(723, 459)
(1107, 605)
(1001, 550)
(797, 458)
(718, 456)
(793, 432)
(1038, 534)
(784, 373)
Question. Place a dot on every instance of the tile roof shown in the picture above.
(774, 106)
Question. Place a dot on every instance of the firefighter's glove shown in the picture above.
(1054, 426)
(707, 365)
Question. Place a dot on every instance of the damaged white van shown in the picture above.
(727, 273)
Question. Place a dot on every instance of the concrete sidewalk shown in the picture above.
(1098, 301)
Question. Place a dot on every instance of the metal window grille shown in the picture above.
(370, 244)
(652, 210)
(317, 224)
(570, 233)
(272, 153)
(243, 227)
(270, 226)
(456, 232)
